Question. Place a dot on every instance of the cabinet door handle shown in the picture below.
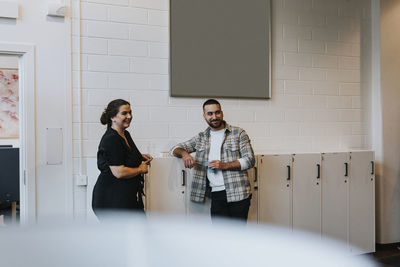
(347, 169)
(255, 174)
(319, 171)
(183, 178)
(372, 167)
(288, 172)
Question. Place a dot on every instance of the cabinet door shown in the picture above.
(362, 201)
(165, 186)
(275, 190)
(335, 195)
(253, 177)
(307, 192)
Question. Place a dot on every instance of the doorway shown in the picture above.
(18, 118)
(9, 140)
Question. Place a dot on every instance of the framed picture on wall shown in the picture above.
(9, 103)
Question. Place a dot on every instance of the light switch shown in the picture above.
(8, 10)
(56, 9)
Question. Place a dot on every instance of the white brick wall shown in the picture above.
(97, 80)
(294, 115)
(171, 114)
(128, 81)
(149, 33)
(108, 63)
(128, 15)
(296, 59)
(325, 88)
(350, 89)
(158, 17)
(127, 48)
(316, 90)
(94, 46)
(149, 65)
(111, 2)
(312, 74)
(312, 47)
(105, 29)
(324, 61)
(158, 50)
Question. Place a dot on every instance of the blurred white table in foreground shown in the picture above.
(167, 241)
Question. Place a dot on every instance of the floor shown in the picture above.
(387, 255)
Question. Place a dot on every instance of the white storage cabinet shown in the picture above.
(332, 194)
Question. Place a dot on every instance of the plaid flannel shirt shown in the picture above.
(236, 145)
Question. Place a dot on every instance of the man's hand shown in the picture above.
(188, 160)
(217, 165)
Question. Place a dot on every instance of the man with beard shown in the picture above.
(223, 155)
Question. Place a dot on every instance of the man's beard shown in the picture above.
(214, 126)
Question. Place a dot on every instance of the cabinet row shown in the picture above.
(331, 194)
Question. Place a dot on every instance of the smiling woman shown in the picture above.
(120, 183)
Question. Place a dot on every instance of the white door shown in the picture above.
(335, 195)
(307, 192)
(275, 190)
(362, 201)
(21, 95)
(165, 186)
(253, 177)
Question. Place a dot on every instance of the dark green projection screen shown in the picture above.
(220, 48)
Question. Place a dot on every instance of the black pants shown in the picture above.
(221, 208)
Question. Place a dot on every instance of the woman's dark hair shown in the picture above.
(111, 111)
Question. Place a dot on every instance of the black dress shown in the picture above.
(111, 193)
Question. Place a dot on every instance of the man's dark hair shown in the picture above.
(211, 102)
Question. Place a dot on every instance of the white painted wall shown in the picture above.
(52, 39)
(320, 94)
(388, 183)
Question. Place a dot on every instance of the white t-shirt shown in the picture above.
(215, 176)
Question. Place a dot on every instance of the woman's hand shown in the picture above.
(123, 172)
(143, 168)
(148, 158)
